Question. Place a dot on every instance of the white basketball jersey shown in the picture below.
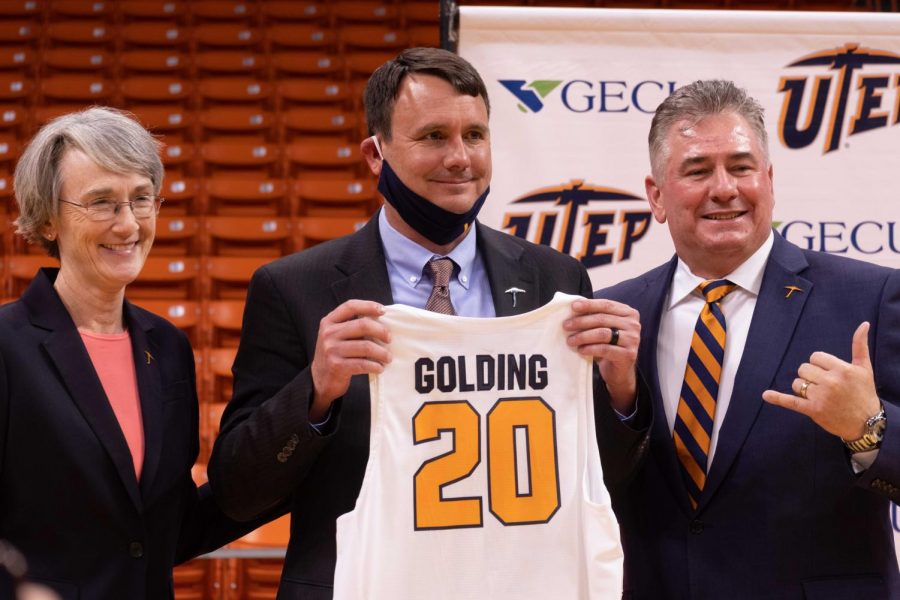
(484, 478)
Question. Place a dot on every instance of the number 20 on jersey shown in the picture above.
(516, 429)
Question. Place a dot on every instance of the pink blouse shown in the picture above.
(114, 363)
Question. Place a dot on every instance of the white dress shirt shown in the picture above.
(676, 329)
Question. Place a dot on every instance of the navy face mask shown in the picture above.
(435, 224)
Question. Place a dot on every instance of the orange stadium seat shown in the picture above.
(363, 11)
(155, 89)
(167, 277)
(234, 90)
(179, 158)
(211, 410)
(360, 65)
(319, 121)
(154, 61)
(314, 230)
(372, 37)
(421, 13)
(227, 277)
(186, 315)
(10, 148)
(98, 34)
(225, 318)
(259, 578)
(323, 157)
(208, 36)
(18, 60)
(259, 196)
(176, 235)
(61, 10)
(322, 92)
(15, 89)
(152, 34)
(85, 89)
(223, 10)
(21, 269)
(191, 580)
(19, 32)
(13, 119)
(22, 9)
(305, 63)
(245, 159)
(153, 10)
(97, 61)
(300, 35)
(247, 236)
(7, 199)
(230, 63)
(279, 11)
(335, 197)
(424, 35)
(218, 375)
(182, 194)
(233, 122)
(175, 122)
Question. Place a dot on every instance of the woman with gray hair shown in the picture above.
(98, 408)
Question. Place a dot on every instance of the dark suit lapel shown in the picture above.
(514, 283)
(662, 448)
(70, 358)
(771, 329)
(364, 268)
(149, 384)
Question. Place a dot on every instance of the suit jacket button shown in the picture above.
(696, 526)
(136, 549)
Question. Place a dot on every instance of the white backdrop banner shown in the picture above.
(573, 92)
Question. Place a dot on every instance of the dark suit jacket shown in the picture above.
(69, 497)
(267, 451)
(782, 514)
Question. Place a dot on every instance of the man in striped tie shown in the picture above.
(774, 374)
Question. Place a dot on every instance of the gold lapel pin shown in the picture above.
(149, 356)
(791, 289)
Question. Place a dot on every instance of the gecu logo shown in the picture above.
(868, 114)
(571, 213)
(530, 99)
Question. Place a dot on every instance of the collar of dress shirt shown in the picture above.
(748, 276)
(408, 257)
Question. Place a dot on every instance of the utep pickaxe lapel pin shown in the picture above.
(791, 289)
(514, 291)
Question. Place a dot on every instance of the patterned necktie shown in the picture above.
(439, 300)
(697, 404)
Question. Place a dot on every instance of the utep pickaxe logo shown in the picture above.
(530, 95)
(578, 210)
(846, 62)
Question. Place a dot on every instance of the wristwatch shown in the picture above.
(873, 436)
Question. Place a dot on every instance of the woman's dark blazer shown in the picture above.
(69, 497)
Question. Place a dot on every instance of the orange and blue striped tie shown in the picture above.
(697, 404)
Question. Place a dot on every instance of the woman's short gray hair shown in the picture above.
(695, 101)
(109, 137)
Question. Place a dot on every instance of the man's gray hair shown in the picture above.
(109, 137)
(693, 103)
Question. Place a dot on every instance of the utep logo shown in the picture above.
(845, 62)
(533, 97)
(560, 221)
